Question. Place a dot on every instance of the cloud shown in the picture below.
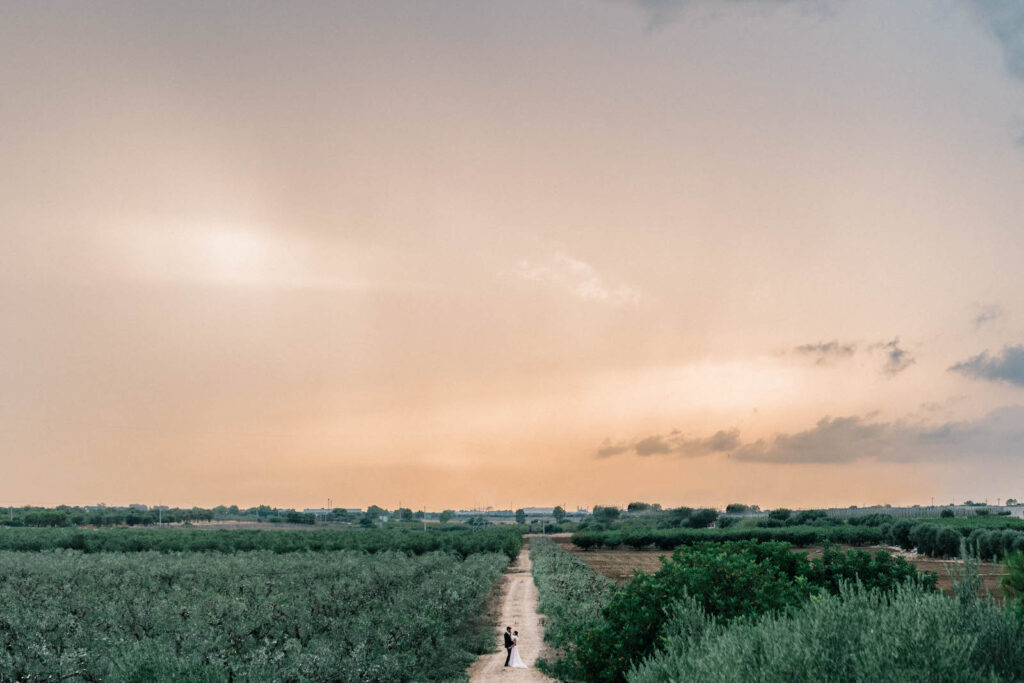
(937, 406)
(661, 11)
(853, 438)
(1006, 366)
(675, 442)
(897, 359)
(826, 353)
(579, 279)
(841, 439)
(1004, 19)
(608, 449)
(987, 314)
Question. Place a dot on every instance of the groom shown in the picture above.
(508, 643)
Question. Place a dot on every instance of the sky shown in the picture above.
(512, 252)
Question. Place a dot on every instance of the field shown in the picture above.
(990, 572)
(460, 541)
(222, 615)
(757, 611)
(619, 565)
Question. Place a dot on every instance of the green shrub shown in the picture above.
(859, 635)
(461, 541)
(329, 616)
(571, 593)
(1012, 582)
(729, 581)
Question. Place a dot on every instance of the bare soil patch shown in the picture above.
(619, 565)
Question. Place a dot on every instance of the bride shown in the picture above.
(515, 660)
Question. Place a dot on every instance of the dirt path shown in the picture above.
(518, 610)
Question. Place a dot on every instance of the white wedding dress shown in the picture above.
(515, 661)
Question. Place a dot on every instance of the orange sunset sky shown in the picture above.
(511, 252)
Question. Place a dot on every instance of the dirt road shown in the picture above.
(518, 610)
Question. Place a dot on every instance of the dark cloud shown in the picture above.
(825, 353)
(851, 439)
(652, 445)
(1005, 366)
(855, 438)
(987, 314)
(675, 442)
(841, 439)
(897, 358)
(609, 449)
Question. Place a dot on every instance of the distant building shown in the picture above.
(539, 512)
(138, 506)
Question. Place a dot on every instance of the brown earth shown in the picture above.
(519, 610)
(619, 565)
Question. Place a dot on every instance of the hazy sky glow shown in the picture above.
(511, 252)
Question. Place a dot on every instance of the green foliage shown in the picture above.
(559, 514)
(249, 616)
(520, 516)
(669, 539)
(937, 540)
(446, 515)
(874, 519)
(808, 517)
(605, 515)
(293, 517)
(860, 635)
(990, 537)
(727, 580)
(571, 594)
(947, 513)
(460, 541)
(703, 518)
(1012, 582)
(970, 522)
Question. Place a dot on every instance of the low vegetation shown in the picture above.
(908, 634)
(989, 537)
(147, 616)
(606, 631)
(669, 539)
(571, 593)
(461, 541)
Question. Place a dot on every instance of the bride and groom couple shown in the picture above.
(513, 659)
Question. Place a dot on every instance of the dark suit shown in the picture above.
(508, 647)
